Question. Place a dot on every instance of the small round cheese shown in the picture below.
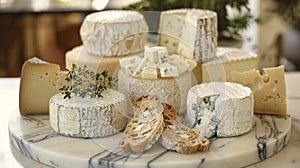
(88, 117)
(223, 109)
(114, 33)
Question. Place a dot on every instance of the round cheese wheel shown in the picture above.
(170, 90)
(88, 117)
(114, 33)
(220, 109)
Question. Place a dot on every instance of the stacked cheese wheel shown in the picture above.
(108, 36)
(159, 73)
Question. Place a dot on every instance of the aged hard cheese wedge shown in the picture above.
(114, 33)
(189, 32)
(40, 80)
(269, 89)
(227, 60)
(88, 117)
(223, 109)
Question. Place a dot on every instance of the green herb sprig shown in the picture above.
(86, 82)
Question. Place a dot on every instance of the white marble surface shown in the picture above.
(288, 157)
(33, 136)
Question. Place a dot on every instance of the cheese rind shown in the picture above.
(269, 89)
(170, 90)
(40, 80)
(86, 117)
(223, 109)
(189, 32)
(80, 57)
(228, 59)
(114, 33)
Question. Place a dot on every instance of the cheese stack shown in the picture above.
(88, 117)
(109, 36)
(228, 60)
(167, 76)
(189, 32)
(223, 109)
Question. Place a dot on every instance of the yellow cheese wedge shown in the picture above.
(40, 80)
(269, 89)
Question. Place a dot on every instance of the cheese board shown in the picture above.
(34, 138)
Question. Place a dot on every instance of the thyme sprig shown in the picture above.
(86, 82)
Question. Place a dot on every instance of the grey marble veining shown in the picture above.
(33, 137)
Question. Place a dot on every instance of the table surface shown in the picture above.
(9, 93)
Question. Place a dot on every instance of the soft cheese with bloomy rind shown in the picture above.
(114, 33)
(40, 80)
(228, 59)
(88, 117)
(189, 32)
(269, 89)
(223, 109)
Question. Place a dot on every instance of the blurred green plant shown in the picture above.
(233, 16)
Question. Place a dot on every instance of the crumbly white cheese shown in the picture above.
(87, 117)
(157, 63)
(223, 109)
(114, 33)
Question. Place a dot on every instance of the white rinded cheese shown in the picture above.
(269, 89)
(114, 33)
(39, 82)
(189, 32)
(227, 60)
(170, 90)
(223, 109)
(157, 63)
(87, 117)
(80, 57)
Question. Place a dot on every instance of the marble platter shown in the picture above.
(34, 138)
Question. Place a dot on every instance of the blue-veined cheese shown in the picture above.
(223, 109)
(114, 33)
(88, 117)
(191, 33)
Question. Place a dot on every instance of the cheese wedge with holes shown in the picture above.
(191, 33)
(40, 80)
(269, 89)
(228, 59)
